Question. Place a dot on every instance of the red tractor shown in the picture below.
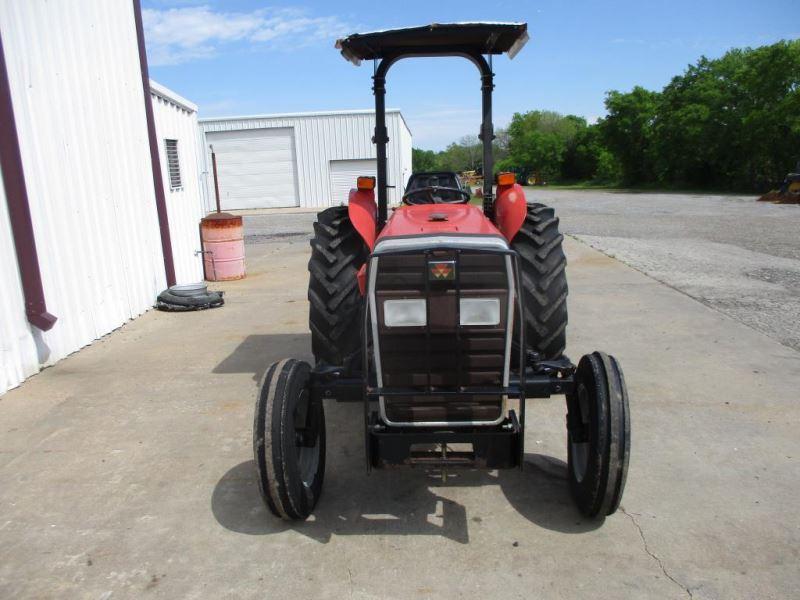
(441, 320)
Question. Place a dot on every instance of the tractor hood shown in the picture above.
(441, 225)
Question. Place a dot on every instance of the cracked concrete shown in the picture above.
(654, 556)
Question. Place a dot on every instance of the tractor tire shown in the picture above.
(599, 435)
(543, 281)
(338, 252)
(289, 470)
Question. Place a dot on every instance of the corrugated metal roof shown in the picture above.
(167, 94)
(299, 115)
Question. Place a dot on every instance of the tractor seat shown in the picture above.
(443, 179)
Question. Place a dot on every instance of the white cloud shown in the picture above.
(178, 35)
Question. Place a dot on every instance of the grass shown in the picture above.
(644, 189)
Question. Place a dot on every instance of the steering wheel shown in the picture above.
(430, 191)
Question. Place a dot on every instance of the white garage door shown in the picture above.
(344, 174)
(255, 167)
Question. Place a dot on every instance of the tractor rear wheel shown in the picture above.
(338, 252)
(543, 281)
(598, 434)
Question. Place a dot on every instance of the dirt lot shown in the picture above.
(125, 470)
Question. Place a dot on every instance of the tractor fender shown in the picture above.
(510, 209)
(363, 213)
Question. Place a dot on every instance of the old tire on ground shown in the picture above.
(338, 252)
(169, 301)
(289, 450)
(543, 281)
(599, 436)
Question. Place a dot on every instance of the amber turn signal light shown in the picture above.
(365, 183)
(506, 179)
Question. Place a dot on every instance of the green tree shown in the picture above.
(538, 142)
(465, 155)
(628, 132)
(422, 160)
(732, 122)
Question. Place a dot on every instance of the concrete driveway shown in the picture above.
(125, 470)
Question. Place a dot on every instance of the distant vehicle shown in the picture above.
(472, 179)
(789, 192)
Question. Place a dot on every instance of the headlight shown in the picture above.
(405, 313)
(480, 311)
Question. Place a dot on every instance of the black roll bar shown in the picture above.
(486, 135)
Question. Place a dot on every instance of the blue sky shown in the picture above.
(240, 57)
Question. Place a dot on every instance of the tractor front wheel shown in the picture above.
(288, 441)
(599, 435)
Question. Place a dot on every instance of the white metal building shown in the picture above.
(302, 159)
(180, 148)
(81, 212)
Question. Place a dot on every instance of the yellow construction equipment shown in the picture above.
(788, 193)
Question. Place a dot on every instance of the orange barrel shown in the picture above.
(222, 235)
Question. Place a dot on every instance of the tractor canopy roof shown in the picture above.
(436, 39)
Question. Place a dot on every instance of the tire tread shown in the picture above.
(543, 281)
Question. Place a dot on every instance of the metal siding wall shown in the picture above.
(185, 205)
(77, 93)
(319, 139)
(18, 358)
(406, 143)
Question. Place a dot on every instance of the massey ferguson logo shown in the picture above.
(442, 271)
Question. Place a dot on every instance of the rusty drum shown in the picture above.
(222, 235)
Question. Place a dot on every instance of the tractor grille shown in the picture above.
(442, 356)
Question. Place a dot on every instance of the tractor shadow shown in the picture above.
(387, 502)
(402, 501)
(258, 351)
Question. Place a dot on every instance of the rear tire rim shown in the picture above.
(580, 450)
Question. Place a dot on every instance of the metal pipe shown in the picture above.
(487, 137)
(19, 211)
(155, 162)
(216, 181)
(381, 138)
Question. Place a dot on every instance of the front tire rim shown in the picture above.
(308, 462)
(580, 450)
(307, 456)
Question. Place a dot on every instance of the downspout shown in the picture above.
(158, 179)
(19, 210)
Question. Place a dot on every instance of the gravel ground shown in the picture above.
(729, 252)
(271, 227)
